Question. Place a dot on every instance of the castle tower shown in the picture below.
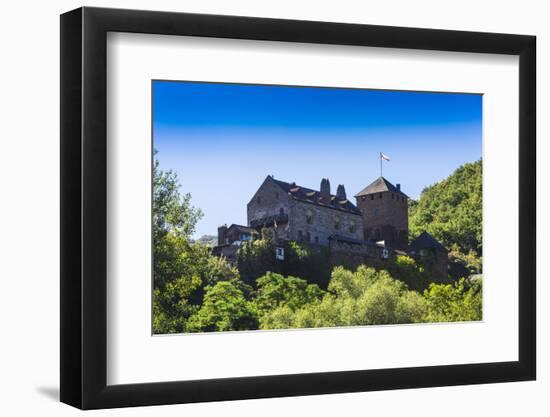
(385, 210)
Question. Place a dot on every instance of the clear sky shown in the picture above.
(224, 139)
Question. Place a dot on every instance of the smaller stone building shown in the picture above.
(426, 246)
(230, 238)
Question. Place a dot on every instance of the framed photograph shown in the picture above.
(257, 208)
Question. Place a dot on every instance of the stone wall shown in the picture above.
(441, 267)
(385, 217)
(351, 255)
(269, 200)
(318, 223)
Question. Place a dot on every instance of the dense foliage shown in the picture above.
(451, 211)
(461, 301)
(364, 297)
(181, 269)
(255, 258)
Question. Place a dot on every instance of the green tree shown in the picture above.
(310, 263)
(464, 264)
(461, 301)
(451, 210)
(181, 268)
(224, 308)
(371, 297)
(174, 221)
(417, 275)
(172, 211)
(257, 257)
(364, 297)
(172, 306)
(275, 290)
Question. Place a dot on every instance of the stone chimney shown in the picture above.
(398, 186)
(325, 189)
(341, 192)
(222, 234)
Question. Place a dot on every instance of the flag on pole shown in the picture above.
(383, 157)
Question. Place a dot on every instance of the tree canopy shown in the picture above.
(451, 210)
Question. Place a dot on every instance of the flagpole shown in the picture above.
(380, 156)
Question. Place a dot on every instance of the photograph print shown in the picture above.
(280, 207)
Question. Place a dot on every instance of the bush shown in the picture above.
(274, 291)
(461, 301)
(224, 308)
(257, 257)
(417, 275)
(451, 210)
(364, 297)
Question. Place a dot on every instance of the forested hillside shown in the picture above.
(451, 210)
(194, 291)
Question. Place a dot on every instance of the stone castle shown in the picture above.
(373, 229)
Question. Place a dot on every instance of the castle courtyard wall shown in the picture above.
(325, 221)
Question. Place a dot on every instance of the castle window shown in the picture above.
(308, 237)
(317, 240)
(309, 217)
(281, 211)
(380, 195)
(352, 227)
(337, 224)
(372, 196)
(300, 235)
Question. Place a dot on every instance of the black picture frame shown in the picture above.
(84, 207)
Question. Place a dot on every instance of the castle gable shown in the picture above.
(269, 185)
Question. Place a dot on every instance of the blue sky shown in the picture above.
(224, 139)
